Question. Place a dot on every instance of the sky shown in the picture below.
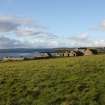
(52, 23)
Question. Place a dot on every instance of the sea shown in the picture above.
(18, 52)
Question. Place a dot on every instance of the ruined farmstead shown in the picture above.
(88, 52)
(73, 53)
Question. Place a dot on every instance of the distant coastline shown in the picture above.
(31, 52)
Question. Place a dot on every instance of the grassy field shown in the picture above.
(62, 81)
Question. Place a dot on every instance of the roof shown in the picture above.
(92, 50)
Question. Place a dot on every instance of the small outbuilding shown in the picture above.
(88, 52)
(73, 53)
(44, 54)
(66, 53)
(13, 58)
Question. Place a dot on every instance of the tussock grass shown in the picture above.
(62, 81)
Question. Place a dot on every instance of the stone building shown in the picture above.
(88, 52)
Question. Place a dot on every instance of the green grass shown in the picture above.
(62, 81)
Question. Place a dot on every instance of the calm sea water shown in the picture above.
(36, 54)
(22, 52)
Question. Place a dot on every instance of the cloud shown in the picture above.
(99, 43)
(99, 27)
(6, 42)
(25, 32)
(10, 23)
(32, 32)
(102, 25)
(18, 32)
(80, 38)
(83, 40)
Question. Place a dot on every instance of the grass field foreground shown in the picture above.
(62, 81)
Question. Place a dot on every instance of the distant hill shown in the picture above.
(99, 49)
(31, 50)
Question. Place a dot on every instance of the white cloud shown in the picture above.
(26, 33)
(99, 27)
(83, 40)
(102, 25)
(10, 23)
(6, 42)
(80, 38)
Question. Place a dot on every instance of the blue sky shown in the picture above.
(59, 23)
